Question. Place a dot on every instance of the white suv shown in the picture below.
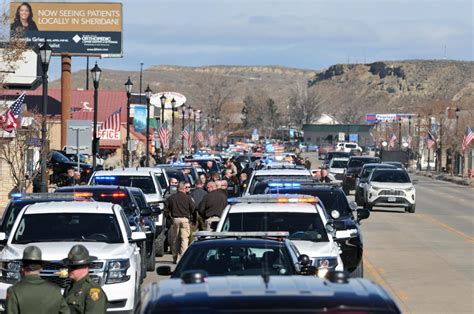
(55, 227)
(337, 166)
(302, 216)
(150, 181)
(390, 188)
(348, 147)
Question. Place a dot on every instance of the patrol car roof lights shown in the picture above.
(52, 196)
(284, 185)
(251, 234)
(104, 178)
(278, 198)
(114, 194)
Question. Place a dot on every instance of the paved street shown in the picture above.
(425, 260)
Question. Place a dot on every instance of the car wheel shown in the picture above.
(411, 209)
(359, 271)
(160, 245)
(150, 263)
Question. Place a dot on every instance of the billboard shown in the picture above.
(75, 28)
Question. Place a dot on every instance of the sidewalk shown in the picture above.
(445, 177)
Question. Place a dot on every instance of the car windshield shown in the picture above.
(143, 182)
(60, 157)
(391, 176)
(301, 226)
(68, 227)
(339, 163)
(351, 146)
(366, 172)
(355, 163)
(236, 260)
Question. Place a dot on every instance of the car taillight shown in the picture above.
(114, 195)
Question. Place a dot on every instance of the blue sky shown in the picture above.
(311, 34)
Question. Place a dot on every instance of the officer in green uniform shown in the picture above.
(33, 294)
(84, 295)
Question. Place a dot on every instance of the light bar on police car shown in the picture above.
(252, 234)
(276, 198)
(51, 196)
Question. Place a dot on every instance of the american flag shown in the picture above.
(468, 137)
(186, 135)
(199, 137)
(112, 122)
(393, 139)
(9, 119)
(163, 133)
(409, 140)
(430, 140)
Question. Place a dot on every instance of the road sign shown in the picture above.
(341, 137)
(83, 139)
(354, 138)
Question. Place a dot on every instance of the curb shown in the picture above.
(444, 177)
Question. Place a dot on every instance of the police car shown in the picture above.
(267, 174)
(195, 292)
(150, 181)
(57, 226)
(241, 254)
(300, 215)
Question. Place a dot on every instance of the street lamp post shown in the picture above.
(128, 89)
(418, 154)
(183, 113)
(458, 155)
(147, 149)
(45, 55)
(162, 120)
(173, 109)
(190, 117)
(96, 72)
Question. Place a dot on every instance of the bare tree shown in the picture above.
(17, 151)
(350, 115)
(304, 103)
(216, 93)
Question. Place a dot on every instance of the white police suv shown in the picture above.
(302, 216)
(55, 227)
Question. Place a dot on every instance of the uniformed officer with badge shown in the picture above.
(32, 294)
(84, 295)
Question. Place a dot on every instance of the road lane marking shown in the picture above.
(437, 222)
(377, 278)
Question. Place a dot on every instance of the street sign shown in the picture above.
(354, 138)
(341, 137)
(79, 133)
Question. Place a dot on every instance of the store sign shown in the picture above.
(75, 28)
(108, 134)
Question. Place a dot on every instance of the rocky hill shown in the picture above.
(344, 89)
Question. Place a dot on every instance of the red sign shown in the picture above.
(108, 134)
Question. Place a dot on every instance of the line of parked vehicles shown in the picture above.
(286, 231)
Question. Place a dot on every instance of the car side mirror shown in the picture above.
(304, 260)
(353, 205)
(363, 213)
(138, 236)
(214, 225)
(331, 229)
(146, 212)
(164, 270)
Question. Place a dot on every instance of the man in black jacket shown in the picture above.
(180, 209)
(212, 205)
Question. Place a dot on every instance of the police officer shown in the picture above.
(84, 295)
(33, 294)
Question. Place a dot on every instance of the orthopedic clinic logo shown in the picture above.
(76, 39)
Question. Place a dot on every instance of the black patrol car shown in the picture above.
(242, 254)
(344, 214)
(196, 292)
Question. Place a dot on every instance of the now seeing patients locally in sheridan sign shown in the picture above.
(76, 28)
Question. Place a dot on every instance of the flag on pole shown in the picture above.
(199, 137)
(409, 140)
(393, 139)
(468, 137)
(9, 119)
(112, 122)
(430, 140)
(163, 133)
(185, 134)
